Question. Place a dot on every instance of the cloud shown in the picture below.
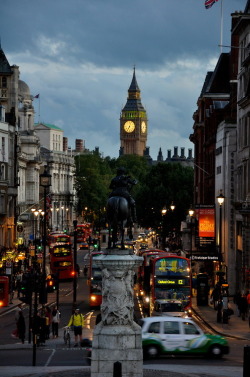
(80, 55)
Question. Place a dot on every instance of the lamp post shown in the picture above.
(191, 214)
(220, 199)
(62, 208)
(222, 304)
(163, 213)
(45, 182)
(36, 213)
(67, 219)
(33, 224)
(57, 218)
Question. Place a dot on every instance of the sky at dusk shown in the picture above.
(79, 56)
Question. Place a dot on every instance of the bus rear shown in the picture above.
(83, 231)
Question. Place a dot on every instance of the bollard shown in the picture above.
(117, 371)
(246, 362)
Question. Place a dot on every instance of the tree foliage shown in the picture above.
(164, 184)
(158, 186)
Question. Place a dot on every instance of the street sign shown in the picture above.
(39, 255)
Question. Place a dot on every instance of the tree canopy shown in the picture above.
(158, 186)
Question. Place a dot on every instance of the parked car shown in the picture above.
(170, 307)
(179, 336)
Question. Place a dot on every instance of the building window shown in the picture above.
(4, 82)
(218, 170)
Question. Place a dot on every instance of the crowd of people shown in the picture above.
(46, 322)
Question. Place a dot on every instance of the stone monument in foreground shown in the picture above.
(117, 340)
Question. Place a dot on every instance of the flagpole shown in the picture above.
(221, 26)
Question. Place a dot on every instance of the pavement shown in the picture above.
(235, 328)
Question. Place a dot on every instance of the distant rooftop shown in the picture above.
(48, 125)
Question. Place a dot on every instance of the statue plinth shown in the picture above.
(117, 338)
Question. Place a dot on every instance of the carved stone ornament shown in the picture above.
(117, 302)
(117, 306)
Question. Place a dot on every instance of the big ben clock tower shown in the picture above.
(133, 122)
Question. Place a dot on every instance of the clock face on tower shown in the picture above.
(143, 127)
(129, 126)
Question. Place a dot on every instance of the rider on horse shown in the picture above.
(120, 186)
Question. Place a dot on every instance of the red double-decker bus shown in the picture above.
(95, 282)
(84, 231)
(143, 275)
(169, 279)
(61, 260)
(58, 237)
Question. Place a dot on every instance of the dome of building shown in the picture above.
(23, 89)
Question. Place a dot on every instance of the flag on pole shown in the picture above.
(209, 3)
(37, 96)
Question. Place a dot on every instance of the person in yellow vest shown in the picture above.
(77, 321)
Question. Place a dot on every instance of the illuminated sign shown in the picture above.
(170, 281)
(206, 222)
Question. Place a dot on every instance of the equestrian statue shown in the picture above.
(121, 211)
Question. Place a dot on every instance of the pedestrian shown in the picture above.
(77, 321)
(237, 299)
(55, 321)
(215, 295)
(248, 303)
(85, 270)
(243, 306)
(48, 318)
(21, 328)
(18, 286)
(18, 310)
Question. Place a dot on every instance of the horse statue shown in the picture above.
(118, 216)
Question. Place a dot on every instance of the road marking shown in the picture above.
(49, 359)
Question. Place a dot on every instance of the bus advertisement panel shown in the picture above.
(95, 282)
(61, 260)
(170, 278)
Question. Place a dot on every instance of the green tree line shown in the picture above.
(158, 186)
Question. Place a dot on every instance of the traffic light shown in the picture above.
(51, 284)
(26, 289)
(95, 243)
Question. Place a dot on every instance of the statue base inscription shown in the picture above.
(117, 338)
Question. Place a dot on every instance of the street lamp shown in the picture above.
(220, 199)
(172, 206)
(45, 182)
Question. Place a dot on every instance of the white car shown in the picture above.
(179, 336)
(169, 307)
